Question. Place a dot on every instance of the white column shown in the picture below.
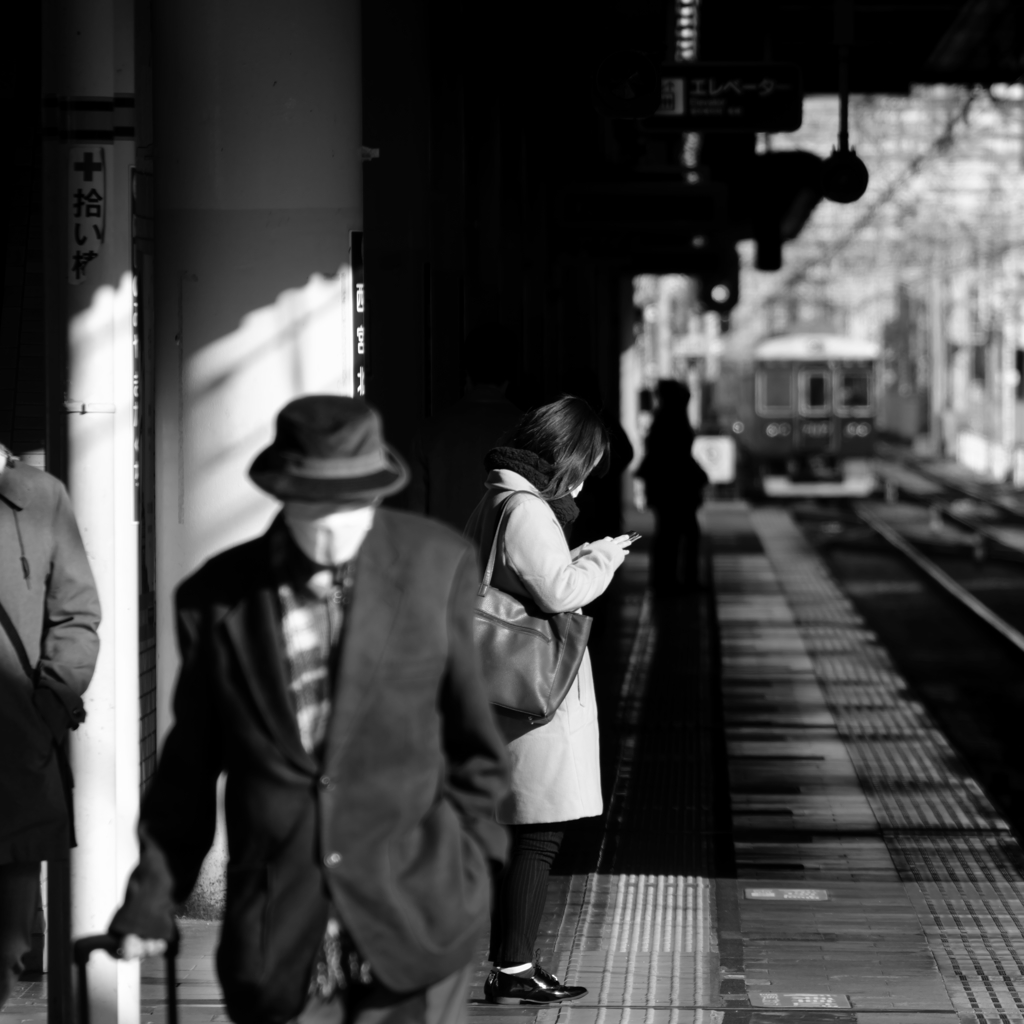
(89, 61)
(259, 183)
(105, 750)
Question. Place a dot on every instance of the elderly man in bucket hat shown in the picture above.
(328, 668)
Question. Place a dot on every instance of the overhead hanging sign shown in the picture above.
(711, 97)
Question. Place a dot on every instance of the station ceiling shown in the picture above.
(889, 45)
(895, 43)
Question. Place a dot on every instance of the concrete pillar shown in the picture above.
(258, 186)
(939, 376)
(89, 154)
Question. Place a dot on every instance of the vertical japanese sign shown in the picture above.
(136, 361)
(87, 212)
(359, 362)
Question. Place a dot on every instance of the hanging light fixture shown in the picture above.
(844, 176)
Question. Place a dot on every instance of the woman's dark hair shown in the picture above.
(569, 435)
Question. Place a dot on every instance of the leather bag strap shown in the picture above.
(502, 516)
(16, 642)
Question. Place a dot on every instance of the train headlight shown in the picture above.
(857, 429)
(778, 430)
(737, 427)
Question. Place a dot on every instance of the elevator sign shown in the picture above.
(709, 97)
(87, 209)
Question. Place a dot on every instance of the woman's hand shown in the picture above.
(609, 547)
(624, 540)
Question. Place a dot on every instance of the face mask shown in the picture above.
(579, 487)
(326, 534)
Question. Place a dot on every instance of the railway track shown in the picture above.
(995, 520)
(940, 577)
(953, 623)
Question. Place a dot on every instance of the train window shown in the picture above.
(853, 392)
(774, 391)
(814, 393)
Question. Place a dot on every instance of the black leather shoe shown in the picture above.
(536, 987)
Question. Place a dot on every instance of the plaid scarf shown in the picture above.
(312, 605)
(311, 620)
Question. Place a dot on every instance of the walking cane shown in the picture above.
(84, 948)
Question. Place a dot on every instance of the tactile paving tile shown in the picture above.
(965, 871)
(863, 722)
(640, 941)
(979, 859)
(637, 932)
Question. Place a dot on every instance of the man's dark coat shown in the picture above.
(55, 610)
(396, 826)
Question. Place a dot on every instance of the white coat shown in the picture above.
(556, 771)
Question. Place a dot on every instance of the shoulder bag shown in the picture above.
(529, 658)
(63, 760)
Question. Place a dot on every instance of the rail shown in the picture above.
(965, 490)
(941, 578)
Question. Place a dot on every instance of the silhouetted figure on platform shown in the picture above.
(448, 463)
(674, 485)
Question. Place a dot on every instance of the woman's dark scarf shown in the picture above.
(539, 473)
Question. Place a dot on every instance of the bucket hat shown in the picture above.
(329, 448)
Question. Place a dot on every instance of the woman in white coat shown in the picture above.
(556, 775)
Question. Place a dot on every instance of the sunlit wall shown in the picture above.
(259, 184)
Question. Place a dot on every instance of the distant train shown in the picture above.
(801, 408)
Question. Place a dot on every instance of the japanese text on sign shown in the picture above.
(803, 1000)
(787, 894)
(728, 97)
(87, 209)
(136, 406)
(359, 360)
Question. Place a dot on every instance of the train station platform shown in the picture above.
(788, 835)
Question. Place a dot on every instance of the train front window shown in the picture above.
(774, 395)
(814, 393)
(853, 392)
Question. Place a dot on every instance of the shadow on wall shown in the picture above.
(233, 389)
(217, 412)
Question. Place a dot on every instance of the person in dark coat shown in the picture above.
(48, 649)
(329, 668)
(674, 484)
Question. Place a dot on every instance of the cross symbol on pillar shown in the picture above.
(87, 166)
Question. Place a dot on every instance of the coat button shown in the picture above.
(332, 860)
(337, 595)
(326, 782)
